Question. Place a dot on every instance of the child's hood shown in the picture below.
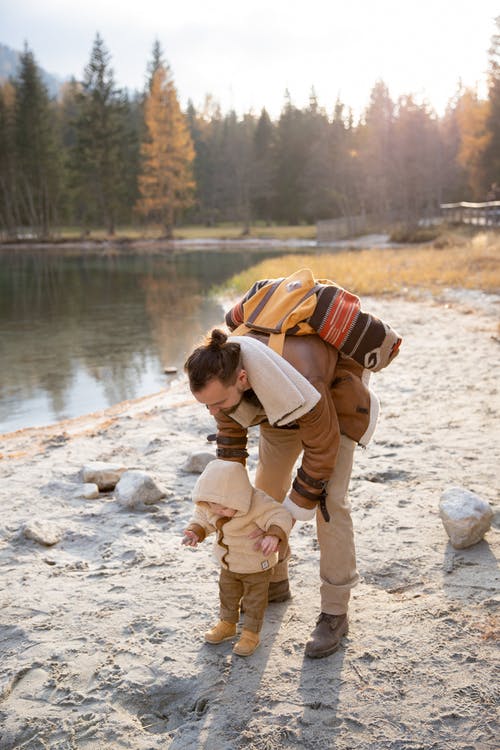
(225, 483)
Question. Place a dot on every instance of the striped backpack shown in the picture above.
(299, 304)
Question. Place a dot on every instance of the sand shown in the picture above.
(101, 633)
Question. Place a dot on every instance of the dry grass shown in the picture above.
(470, 263)
(223, 231)
(234, 231)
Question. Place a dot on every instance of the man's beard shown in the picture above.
(232, 409)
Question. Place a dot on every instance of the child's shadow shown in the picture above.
(232, 691)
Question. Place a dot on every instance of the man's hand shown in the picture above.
(190, 539)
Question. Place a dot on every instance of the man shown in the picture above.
(310, 401)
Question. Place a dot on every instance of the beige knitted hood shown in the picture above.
(225, 483)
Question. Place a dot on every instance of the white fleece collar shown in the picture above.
(283, 391)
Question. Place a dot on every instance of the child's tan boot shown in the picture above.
(247, 643)
(220, 632)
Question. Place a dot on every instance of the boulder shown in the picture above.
(43, 532)
(137, 488)
(197, 462)
(89, 491)
(466, 517)
(105, 475)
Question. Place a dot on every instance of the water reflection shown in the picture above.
(80, 333)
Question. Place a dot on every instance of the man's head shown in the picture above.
(216, 376)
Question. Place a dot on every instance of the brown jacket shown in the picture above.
(346, 406)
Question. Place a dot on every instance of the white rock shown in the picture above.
(197, 462)
(137, 488)
(106, 476)
(466, 517)
(89, 491)
(43, 532)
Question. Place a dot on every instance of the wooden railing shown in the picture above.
(483, 214)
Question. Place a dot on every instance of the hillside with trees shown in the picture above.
(98, 157)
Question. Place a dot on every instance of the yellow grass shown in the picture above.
(472, 263)
(233, 231)
(122, 232)
(224, 231)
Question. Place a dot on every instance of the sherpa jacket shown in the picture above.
(227, 484)
(343, 404)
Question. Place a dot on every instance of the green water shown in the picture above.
(80, 333)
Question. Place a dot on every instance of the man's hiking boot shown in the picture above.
(325, 638)
(279, 591)
(221, 632)
(247, 643)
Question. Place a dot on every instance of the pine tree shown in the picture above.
(453, 174)
(291, 156)
(166, 184)
(38, 169)
(348, 181)
(375, 152)
(156, 62)
(472, 117)
(317, 179)
(9, 208)
(262, 190)
(99, 162)
(416, 156)
(491, 155)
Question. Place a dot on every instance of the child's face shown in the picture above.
(221, 510)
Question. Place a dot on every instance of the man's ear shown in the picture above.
(242, 379)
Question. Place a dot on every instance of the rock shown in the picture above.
(197, 462)
(137, 488)
(466, 517)
(170, 370)
(89, 491)
(106, 476)
(43, 532)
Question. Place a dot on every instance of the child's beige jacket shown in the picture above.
(227, 483)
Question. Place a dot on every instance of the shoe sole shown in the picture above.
(328, 651)
(214, 643)
(248, 653)
(322, 654)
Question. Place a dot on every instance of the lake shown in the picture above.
(79, 333)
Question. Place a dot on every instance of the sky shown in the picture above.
(246, 55)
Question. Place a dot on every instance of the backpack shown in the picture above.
(299, 304)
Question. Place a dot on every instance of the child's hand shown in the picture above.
(258, 535)
(269, 544)
(190, 539)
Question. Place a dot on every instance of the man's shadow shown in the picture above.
(320, 686)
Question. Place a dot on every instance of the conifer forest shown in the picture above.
(97, 156)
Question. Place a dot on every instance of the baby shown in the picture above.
(229, 506)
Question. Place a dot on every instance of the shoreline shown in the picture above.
(124, 245)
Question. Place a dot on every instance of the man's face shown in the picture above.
(218, 397)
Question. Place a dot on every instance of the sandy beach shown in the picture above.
(101, 633)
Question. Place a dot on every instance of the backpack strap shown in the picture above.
(275, 341)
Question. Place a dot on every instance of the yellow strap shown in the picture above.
(276, 342)
(241, 330)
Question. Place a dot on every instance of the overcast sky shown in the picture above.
(246, 54)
